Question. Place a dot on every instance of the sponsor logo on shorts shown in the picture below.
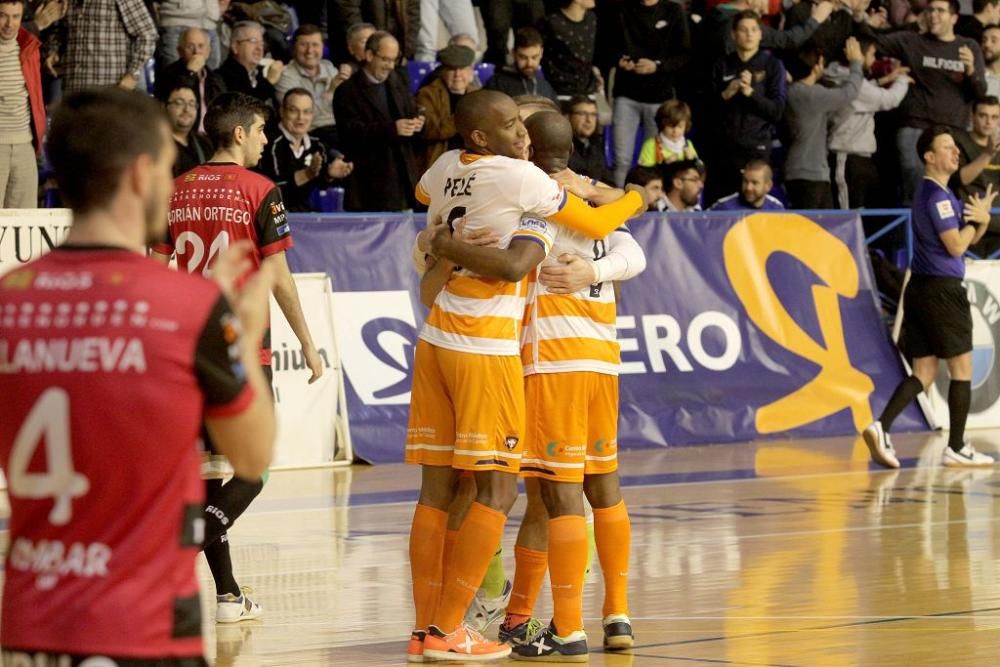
(510, 442)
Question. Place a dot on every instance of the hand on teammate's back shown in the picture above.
(572, 274)
(581, 187)
(437, 235)
(478, 237)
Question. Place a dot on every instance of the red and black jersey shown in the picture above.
(217, 204)
(109, 362)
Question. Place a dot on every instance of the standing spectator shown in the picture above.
(378, 125)
(991, 58)
(190, 70)
(948, 74)
(524, 78)
(193, 149)
(683, 182)
(651, 180)
(297, 161)
(656, 45)
(458, 17)
(852, 131)
(750, 89)
(311, 71)
(568, 58)
(439, 98)
(757, 181)
(357, 37)
(938, 318)
(979, 160)
(242, 71)
(717, 35)
(109, 43)
(499, 17)
(22, 110)
(400, 18)
(673, 120)
(176, 17)
(831, 35)
(984, 13)
(588, 145)
(810, 106)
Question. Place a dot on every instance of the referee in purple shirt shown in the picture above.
(937, 319)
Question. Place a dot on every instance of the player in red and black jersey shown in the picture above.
(108, 364)
(214, 205)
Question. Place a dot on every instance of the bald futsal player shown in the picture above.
(467, 405)
(571, 361)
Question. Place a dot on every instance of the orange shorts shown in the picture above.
(466, 410)
(572, 427)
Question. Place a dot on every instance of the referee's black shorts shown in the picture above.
(937, 320)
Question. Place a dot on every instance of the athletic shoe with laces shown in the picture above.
(966, 457)
(547, 646)
(463, 644)
(521, 633)
(415, 647)
(880, 446)
(232, 609)
(617, 632)
(484, 611)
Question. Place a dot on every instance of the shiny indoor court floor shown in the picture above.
(776, 553)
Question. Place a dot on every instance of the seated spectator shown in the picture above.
(311, 71)
(22, 109)
(651, 181)
(810, 106)
(852, 131)
(458, 18)
(176, 17)
(979, 160)
(439, 98)
(750, 91)
(683, 182)
(191, 70)
(242, 71)
(465, 39)
(991, 56)
(400, 18)
(568, 57)
(588, 145)
(297, 161)
(357, 37)
(524, 77)
(757, 183)
(378, 123)
(673, 120)
(984, 13)
(109, 42)
(193, 148)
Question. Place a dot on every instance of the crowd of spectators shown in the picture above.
(824, 100)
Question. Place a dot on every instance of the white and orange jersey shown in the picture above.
(473, 313)
(571, 332)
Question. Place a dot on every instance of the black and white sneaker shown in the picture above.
(232, 609)
(547, 646)
(880, 445)
(966, 457)
(617, 632)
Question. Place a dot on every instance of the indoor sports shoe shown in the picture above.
(415, 648)
(880, 445)
(617, 632)
(463, 644)
(521, 634)
(233, 609)
(484, 611)
(547, 646)
(966, 457)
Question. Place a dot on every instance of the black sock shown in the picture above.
(221, 565)
(959, 398)
(907, 390)
(225, 503)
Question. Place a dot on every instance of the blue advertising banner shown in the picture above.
(740, 328)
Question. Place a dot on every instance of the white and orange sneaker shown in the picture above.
(463, 644)
(415, 648)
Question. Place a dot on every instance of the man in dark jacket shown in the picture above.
(242, 72)
(524, 78)
(378, 123)
(588, 145)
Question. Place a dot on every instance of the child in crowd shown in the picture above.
(673, 120)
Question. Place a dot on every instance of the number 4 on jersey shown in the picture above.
(48, 419)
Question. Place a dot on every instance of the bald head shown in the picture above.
(489, 124)
(551, 140)
(476, 110)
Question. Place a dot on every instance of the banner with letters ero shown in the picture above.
(741, 327)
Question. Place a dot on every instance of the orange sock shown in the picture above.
(426, 547)
(567, 567)
(449, 546)
(613, 535)
(529, 573)
(474, 547)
